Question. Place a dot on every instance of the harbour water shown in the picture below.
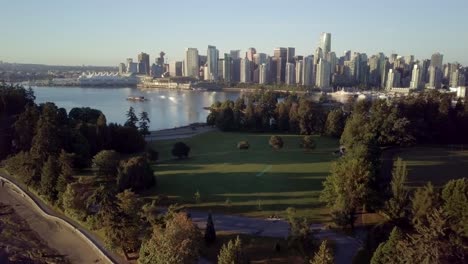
(166, 108)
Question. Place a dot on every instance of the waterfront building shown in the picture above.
(245, 75)
(263, 73)
(132, 67)
(299, 71)
(323, 74)
(107, 79)
(325, 42)
(144, 63)
(290, 77)
(212, 63)
(122, 68)
(227, 69)
(191, 64)
(415, 77)
(307, 68)
(175, 68)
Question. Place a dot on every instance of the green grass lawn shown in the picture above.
(257, 182)
(437, 164)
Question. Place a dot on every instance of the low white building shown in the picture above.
(107, 79)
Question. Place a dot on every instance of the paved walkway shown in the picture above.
(346, 246)
(58, 236)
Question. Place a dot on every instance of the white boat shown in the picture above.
(137, 98)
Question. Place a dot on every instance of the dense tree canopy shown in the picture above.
(136, 174)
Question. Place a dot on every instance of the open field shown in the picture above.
(437, 164)
(255, 182)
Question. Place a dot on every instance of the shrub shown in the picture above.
(180, 150)
(276, 142)
(243, 144)
(308, 143)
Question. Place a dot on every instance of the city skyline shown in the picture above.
(75, 34)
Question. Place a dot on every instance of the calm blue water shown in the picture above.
(166, 108)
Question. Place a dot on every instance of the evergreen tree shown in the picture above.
(386, 252)
(132, 119)
(25, 127)
(143, 124)
(105, 163)
(66, 172)
(424, 200)
(210, 233)
(323, 255)
(232, 253)
(47, 139)
(335, 123)
(49, 175)
(395, 207)
(455, 197)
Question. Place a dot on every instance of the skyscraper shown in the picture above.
(291, 52)
(227, 69)
(263, 73)
(175, 68)
(250, 54)
(235, 54)
(307, 71)
(347, 55)
(280, 56)
(191, 64)
(260, 58)
(325, 42)
(245, 75)
(415, 77)
(318, 55)
(323, 74)
(436, 60)
(392, 78)
(435, 77)
(143, 63)
(290, 77)
(212, 63)
(299, 71)
(122, 68)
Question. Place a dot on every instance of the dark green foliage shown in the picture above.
(396, 206)
(311, 117)
(125, 139)
(308, 143)
(132, 119)
(13, 100)
(423, 201)
(300, 237)
(283, 117)
(105, 163)
(152, 155)
(65, 162)
(143, 124)
(210, 232)
(135, 174)
(323, 255)
(180, 150)
(211, 119)
(25, 128)
(47, 140)
(49, 175)
(84, 115)
(243, 145)
(335, 123)
(23, 166)
(455, 198)
(276, 142)
(387, 253)
(225, 119)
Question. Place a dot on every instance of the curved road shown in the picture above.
(58, 236)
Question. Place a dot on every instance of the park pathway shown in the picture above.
(60, 237)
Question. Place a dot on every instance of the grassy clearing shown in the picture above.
(255, 182)
(437, 164)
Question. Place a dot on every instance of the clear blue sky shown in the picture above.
(105, 32)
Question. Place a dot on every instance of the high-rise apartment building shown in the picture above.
(393, 79)
(415, 77)
(235, 54)
(212, 58)
(260, 58)
(290, 53)
(263, 73)
(245, 72)
(436, 60)
(175, 68)
(191, 63)
(290, 77)
(280, 57)
(250, 54)
(143, 63)
(307, 68)
(227, 67)
(323, 74)
(122, 68)
(299, 71)
(325, 42)
(435, 77)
